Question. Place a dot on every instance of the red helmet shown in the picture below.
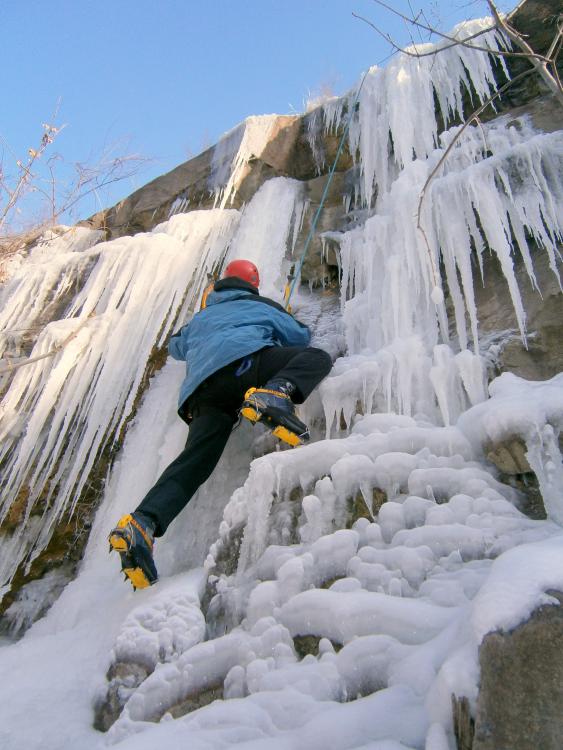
(243, 269)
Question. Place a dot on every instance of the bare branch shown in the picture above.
(430, 53)
(416, 17)
(51, 353)
(56, 198)
(453, 40)
(539, 64)
(25, 174)
(556, 40)
(556, 52)
(108, 179)
(375, 28)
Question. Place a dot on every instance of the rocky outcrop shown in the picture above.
(191, 185)
(520, 703)
(509, 456)
(123, 679)
(540, 355)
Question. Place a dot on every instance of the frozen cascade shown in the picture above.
(268, 229)
(65, 442)
(232, 153)
(389, 96)
(400, 601)
(61, 405)
(54, 265)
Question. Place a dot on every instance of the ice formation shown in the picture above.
(60, 406)
(395, 606)
(233, 152)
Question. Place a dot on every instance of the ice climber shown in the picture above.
(245, 355)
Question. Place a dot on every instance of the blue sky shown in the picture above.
(165, 78)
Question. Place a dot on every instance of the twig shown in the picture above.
(415, 17)
(454, 42)
(25, 169)
(556, 40)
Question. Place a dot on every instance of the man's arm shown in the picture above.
(177, 345)
(289, 330)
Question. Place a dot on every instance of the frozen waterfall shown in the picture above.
(389, 541)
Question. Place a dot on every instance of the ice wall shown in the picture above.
(501, 186)
(60, 411)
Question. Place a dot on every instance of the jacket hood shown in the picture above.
(233, 282)
(230, 289)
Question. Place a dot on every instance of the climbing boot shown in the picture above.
(272, 405)
(133, 538)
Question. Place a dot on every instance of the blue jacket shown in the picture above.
(235, 323)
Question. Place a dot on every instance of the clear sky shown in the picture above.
(165, 78)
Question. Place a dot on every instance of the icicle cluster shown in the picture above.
(501, 184)
(60, 411)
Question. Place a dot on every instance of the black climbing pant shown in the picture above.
(212, 410)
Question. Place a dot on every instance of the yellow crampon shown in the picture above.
(287, 436)
(118, 542)
(250, 412)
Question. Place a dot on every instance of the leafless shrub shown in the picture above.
(36, 180)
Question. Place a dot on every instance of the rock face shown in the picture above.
(520, 702)
(541, 356)
(191, 185)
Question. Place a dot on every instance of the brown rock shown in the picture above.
(309, 644)
(509, 456)
(541, 356)
(197, 700)
(520, 705)
(124, 678)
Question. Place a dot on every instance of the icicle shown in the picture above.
(545, 459)
(443, 377)
(410, 84)
(472, 373)
(314, 129)
(59, 262)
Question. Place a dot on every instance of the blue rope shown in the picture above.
(299, 266)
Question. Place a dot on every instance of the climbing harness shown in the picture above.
(296, 270)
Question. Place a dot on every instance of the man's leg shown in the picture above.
(133, 537)
(303, 367)
(208, 435)
(285, 375)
